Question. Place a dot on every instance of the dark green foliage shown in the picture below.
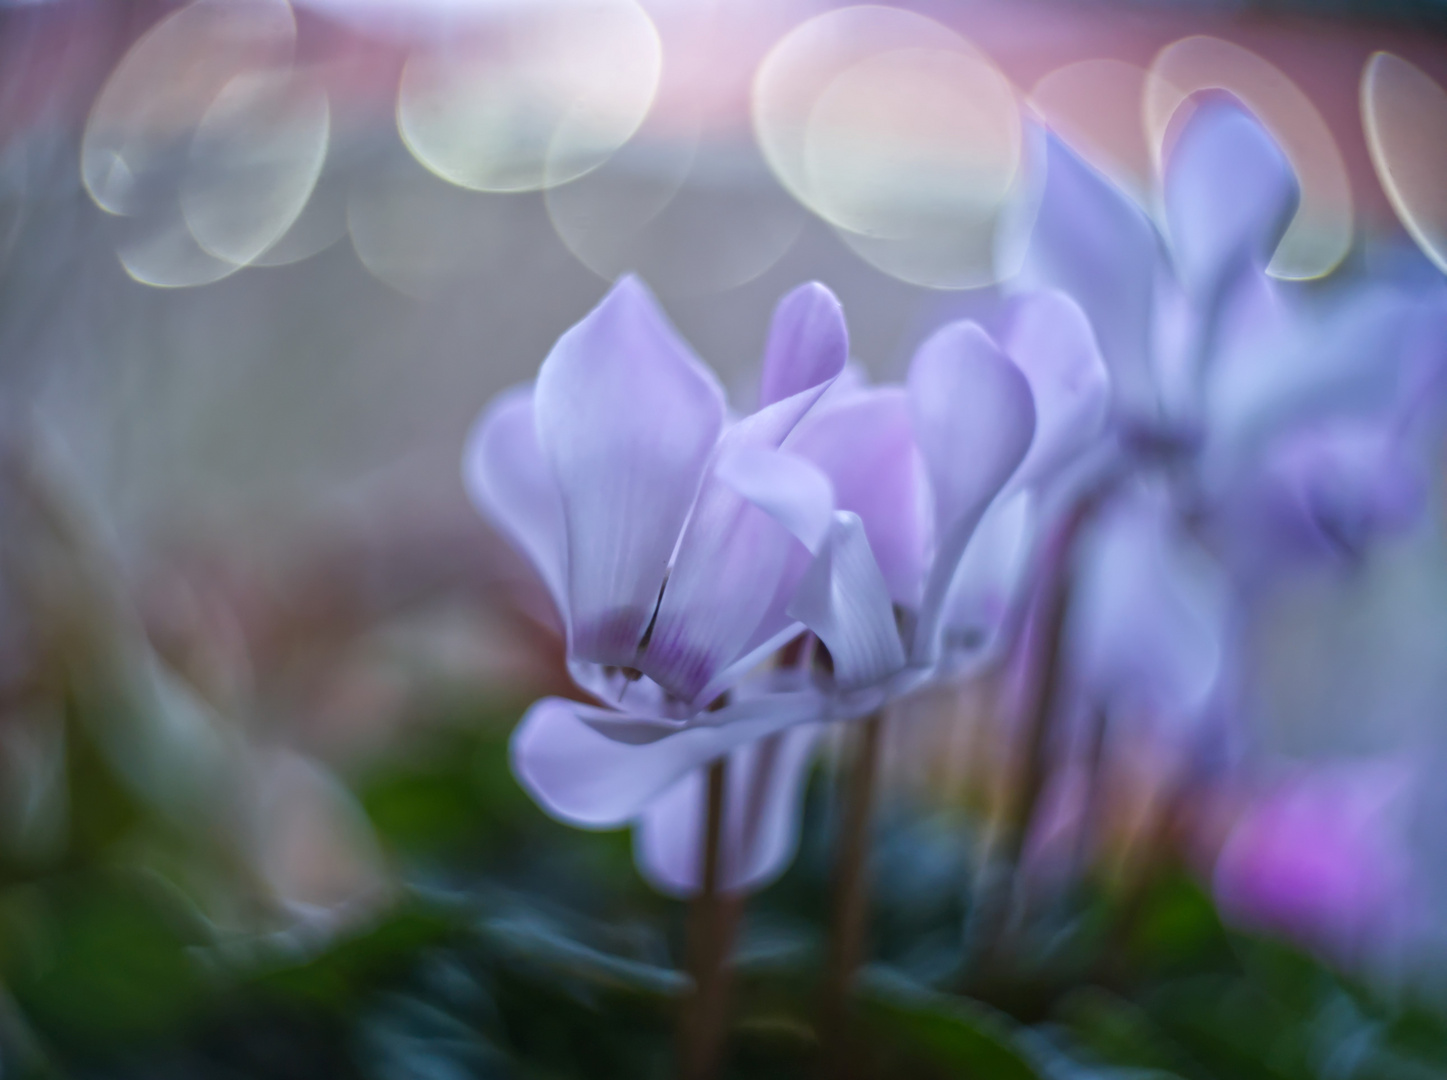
(517, 947)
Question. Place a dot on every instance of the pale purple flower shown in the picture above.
(655, 522)
(1253, 421)
(683, 548)
(1264, 402)
(1149, 631)
(948, 525)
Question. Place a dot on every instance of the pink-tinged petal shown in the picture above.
(732, 564)
(843, 598)
(627, 417)
(808, 344)
(763, 801)
(1229, 195)
(510, 483)
(865, 444)
(974, 418)
(597, 768)
(1091, 241)
(1326, 858)
(1052, 342)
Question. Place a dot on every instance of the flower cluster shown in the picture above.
(1145, 407)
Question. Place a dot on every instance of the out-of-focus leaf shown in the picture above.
(1119, 1032)
(107, 962)
(1176, 924)
(1421, 1033)
(574, 1000)
(1295, 980)
(428, 812)
(962, 1035)
(351, 967)
(408, 1037)
(1232, 1027)
(537, 949)
(442, 797)
(102, 810)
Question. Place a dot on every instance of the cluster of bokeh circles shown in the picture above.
(215, 146)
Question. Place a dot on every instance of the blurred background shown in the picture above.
(261, 266)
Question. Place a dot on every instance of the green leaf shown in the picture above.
(1176, 925)
(351, 967)
(963, 1035)
(1119, 1032)
(107, 961)
(539, 950)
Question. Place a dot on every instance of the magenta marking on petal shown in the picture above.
(612, 639)
(677, 665)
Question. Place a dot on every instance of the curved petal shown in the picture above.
(988, 583)
(1051, 341)
(843, 598)
(791, 489)
(974, 417)
(808, 344)
(797, 495)
(865, 444)
(509, 482)
(1229, 195)
(627, 416)
(1094, 243)
(763, 802)
(599, 769)
(722, 596)
(733, 559)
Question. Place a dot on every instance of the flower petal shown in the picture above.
(808, 344)
(844, 600)
(789, 488)
(974, 418)
(1150, 622)
(1051, 341)
(988, 584)
(509, 482)
(1229, 195)
(797, 495)
(763, 802)
(1094, 243)
(865, 445)
(627, 417)
(1346, 356)
(733, 560)
(723, 592)
(573, 760)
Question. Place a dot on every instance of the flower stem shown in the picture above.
(851, 899)
(712, 918)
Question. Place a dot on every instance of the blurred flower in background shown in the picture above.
(1072, 627)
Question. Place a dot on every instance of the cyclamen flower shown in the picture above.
(1253, 421)
(1278, 411)
(913, 463)
(683, 549)
(640, 508)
